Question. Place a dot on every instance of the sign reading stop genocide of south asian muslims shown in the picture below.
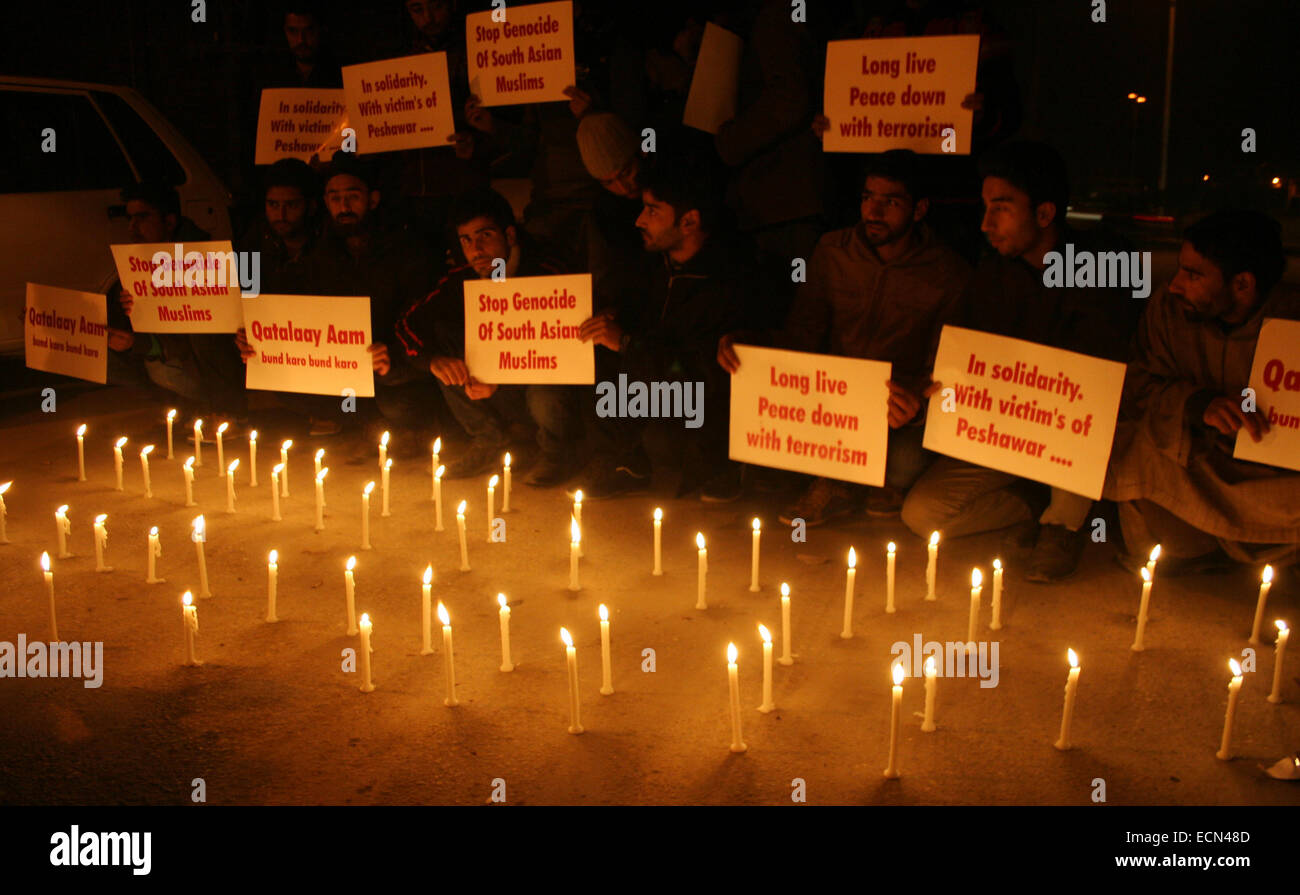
(314, 344)
(520, 54)
(298, 122)
(525, 330)
(66, 332)
(813, 413)
(400, 103)
(183, 287)
(900, 93)
(1275, 377)
(1041, 413)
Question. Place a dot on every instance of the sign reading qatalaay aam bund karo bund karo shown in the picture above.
(1275, 377)
(899, 93)
(299, 122)
(525, 330)
(313, 344)
(1027, 409)
(181, 287)
(814, 413)
(66, 332)
(402, 103)
(528, 58)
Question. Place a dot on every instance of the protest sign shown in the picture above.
(813, 413)
(712, 97)
(525, 329)
(402, 103)
(1041, 413)
(314, 344)
(66, 332)
(1275, 377)
(298, 123)
(900, 93)
(527, 57)
(191, 287)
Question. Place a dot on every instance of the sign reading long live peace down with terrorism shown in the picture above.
(812, 413)
(1275, 377)
(190, 287)
(298, 122)
(315, 344)
(1041, 413)
(399, 103)
(66, 332)
(525, 329)
(526, 58)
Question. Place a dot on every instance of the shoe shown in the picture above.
(549, 471)
(884, 503)
(325, 427)
(1020, 537)
(1213, 563)
(824, 500)
(476, 458)
(1056, 554)
(606, 483)
(725, 487)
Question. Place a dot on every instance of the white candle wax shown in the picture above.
(976, 588)
(63, 528)
(437, 498)
(230, 485)
(350, 595)
(606, 678)
(49, 591)
(460, 527)
(319, 459)
(931, 673)
(850, 577)
(433, 467)
(995, 623)
(702, 572)
(1283, 634)
(101, 542)
(895, 716)
(571, 654)
(117, 461)
(365, 515)
(505, 484)
(889, 577)
(491, 505)
(768, 705)
(366, 627)
(81, 453)
(275, 491)
(448, 662)
(188, 469)
(733, 688)
(144, 467)
(171, 416)
(426, 611)
(252, 459)
(154, 552)
(383, 450)
(284, 467)
(575, 551)
(221, 449)
(753, 558)
(383, 487)
(272, 584)
(320, 498)
(1234, 686)
(577, 514)
(504, 616)
(198, 443)
(190, 622)
(659, 521)
(1067, 715)
(4, 513)
(786, 658)
(199, 536)
(1138, 646)
(931, 567)
(1265, 583)
(1152, 559)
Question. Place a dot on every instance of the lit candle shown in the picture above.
(464, 548)
(350, 594)
(101, 542)
(49, 591)
(1137, 646)
(976, 587)
(198, 442)
(895, 713)
(995, 623)
(117, 460)
(447, 655)
(144, 466)
(1283, 633)
(154, 552)
(230, 485)
(383, 449)
(491, 504)
(733, 686)
(199, 535)
(577, 514)
(1265, 584)
(284, 466)
(426, 611)
(768, 705)
(366, 628)
(4, 535)
(63, 528)
(753, 557)
(383, 487)
(930, 566)
(188, 469)
(272, 582)
(575, 724)
(1152, 559)
(252, 459)
(849, 578)
(81, 452)
(190, 621)
(433, 467)
(606, 679)
(171, 416)
(1071, 686)
(320, 498)
(505, 485)
(318, 459)
(703, 572)
(1234, 686)
(365, 515)
(276, 470)
(504, 616)
(659, 523)
(575, 550)
(786, 658)
(890, 549)
(931, 674)
(221, 449)
(437, 498)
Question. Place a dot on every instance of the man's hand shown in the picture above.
(464, 142)
(241, 342)
(930, 389)
(126, 300)
(379, 358)
(903, 405)
(820, 125)
(478, 390)
(120, 339)
(602, 329)
(727, 357)
(579, 101)
(478, 117)
(1226, 415)
(450, 370)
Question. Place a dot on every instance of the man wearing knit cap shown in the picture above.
(609, 152)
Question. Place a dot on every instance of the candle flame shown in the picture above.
(934, 539)
(757, 525)
(575, 530)
(351, 563)
(442, 614)
(659, 514)
(171, 414)
(898, 674)
(252, 437)
(566, 637)
(383, 440)
(320, 476)
(365, 620)
(507, 460)
(388, 464)
(1146, 573)
(120, 442)
(604, 613)
(45, 561)
(146, 450)
(437, 445)
(731, 654)
(320, 454)
(976, 577)
(853, 558)
(189, 464)
(501, 600)
(699, 539)
(891, 547)
(930, 668)
(1073, 657)
(61, 510)
(275, 470)
(460, 508)
(492, 482)
(221, 430)
(785, 589)
(1267, 577)
(199, 525)
(5, 487)
(438, 473)
(153, 532)
(428, 574)
(101, 518)
(765, 633)
(187, 598)
(1235, 666)
(81, 430)
(273, 557)
(577, 497)
(370, 486)
(997, 564)
(1155, 553)
(232, 466)
(1281, 626)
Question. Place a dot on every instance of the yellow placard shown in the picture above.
(814, 413)
(402, 103)
(1275, 377)
(900, 93)
(1038, 412)
(66, 332)
(183, 287)
(525, 330)
(712, 97)
(314, 344)
(294, 122)
(520, 54)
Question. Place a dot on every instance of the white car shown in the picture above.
(62, 209)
